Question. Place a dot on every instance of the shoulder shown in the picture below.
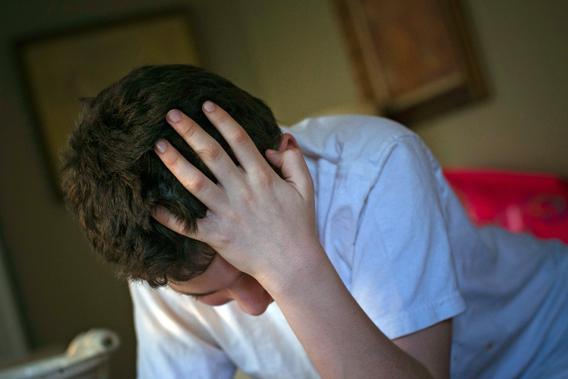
(358, 144)
(350, 125)
(348, 137)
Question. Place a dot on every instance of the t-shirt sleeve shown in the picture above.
(171, 343)
(403, 272)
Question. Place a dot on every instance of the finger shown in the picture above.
(206, 147)
(294, 170)
(190, 177)
(205, 227)
(244, 148)
(170, 221)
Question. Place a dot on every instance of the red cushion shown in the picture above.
(520, 202)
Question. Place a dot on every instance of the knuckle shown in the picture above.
(239, 136)
(263, 178)
(187, 131)
(247, 197)
(172, 161)
(223, 239)
(194, 184)
(220, 117)
(210, 153)
(232, 217)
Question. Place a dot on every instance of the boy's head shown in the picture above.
(112, 179)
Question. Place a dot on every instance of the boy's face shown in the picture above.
(222, 283)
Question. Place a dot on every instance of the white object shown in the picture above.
(85, 358)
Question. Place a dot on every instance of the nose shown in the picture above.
(251, 297)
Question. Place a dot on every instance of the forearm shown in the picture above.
(340, 339)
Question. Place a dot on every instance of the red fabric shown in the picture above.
(519, 202)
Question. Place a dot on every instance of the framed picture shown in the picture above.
(413, 59)
(58, 69)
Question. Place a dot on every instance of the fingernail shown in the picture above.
(208, 106)
(174, 116)
(161, 146)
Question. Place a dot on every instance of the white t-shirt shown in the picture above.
(404, 248)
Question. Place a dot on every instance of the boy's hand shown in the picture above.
(259, 222)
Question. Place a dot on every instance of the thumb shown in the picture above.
(293, 167)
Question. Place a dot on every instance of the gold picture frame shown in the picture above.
(412, 59)
(60, 68)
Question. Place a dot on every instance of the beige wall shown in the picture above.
(291, 54)
(297, 55)
(301, 62)
(524, 125)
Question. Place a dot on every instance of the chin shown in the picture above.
(258, 309)
(257, 313)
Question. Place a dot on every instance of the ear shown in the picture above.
(287, 142)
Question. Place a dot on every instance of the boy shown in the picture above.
(346, 222)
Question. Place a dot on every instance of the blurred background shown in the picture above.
(295, 55)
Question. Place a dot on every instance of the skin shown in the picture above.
(222, 283)
(263, 228)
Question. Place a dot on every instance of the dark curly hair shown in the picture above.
(112, 178)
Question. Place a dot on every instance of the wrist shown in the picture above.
(293, 278)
